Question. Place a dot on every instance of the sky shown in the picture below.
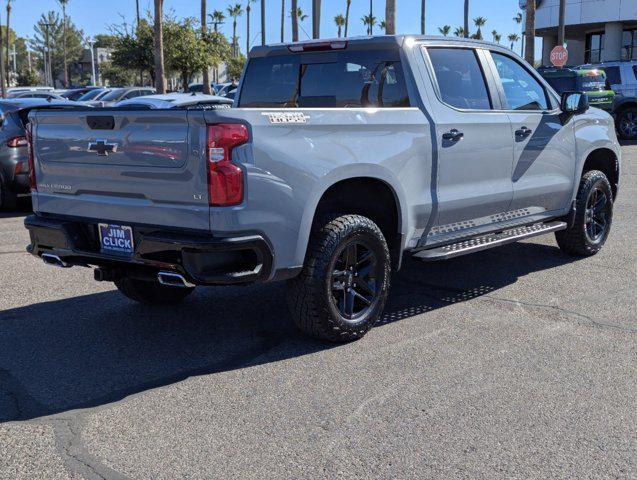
(95, 16)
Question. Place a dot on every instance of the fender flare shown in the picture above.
(348, 172)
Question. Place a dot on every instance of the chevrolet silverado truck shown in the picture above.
(337, 159)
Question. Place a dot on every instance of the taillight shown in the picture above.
(225, 179)
(16, 142)
(317, 46)
(30, 159)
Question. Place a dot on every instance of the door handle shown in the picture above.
(453, 135)
(523, 132)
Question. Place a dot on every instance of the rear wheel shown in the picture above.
(342, 289)
(8, 199)
(150, 292)
(593, 217)
(627, 124)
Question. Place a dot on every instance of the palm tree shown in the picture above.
(423, 3)
(383, 24)
(339, 20)
(262, 22)
(514, 37)
(316, 18)
(496, 36)
(3, 86)
(217, 17)
(444, 30)
(248, 8)
(371, 16)
(518, 19)
(234, 12)
(529, 32)
(300, 17)
(8, 41)
(204, 29)
(494, 33)
(479, 22)
(459, 32)
(369, 21)
(347, 15)
(63, 4)
(282, 21)
(465, 29)
(295, 21)
(160, 76)
(390, 17)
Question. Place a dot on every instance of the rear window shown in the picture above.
(347, 79)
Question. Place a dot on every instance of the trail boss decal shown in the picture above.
(286, 117)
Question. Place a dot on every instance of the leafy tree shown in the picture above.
(102, 40)
(185, 49)
(74, 42)
(235, 66)
(27, 78)
(134, 52)
(115, 75)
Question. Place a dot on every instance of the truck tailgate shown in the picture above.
(122, 166)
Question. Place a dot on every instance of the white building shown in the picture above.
(596, 30)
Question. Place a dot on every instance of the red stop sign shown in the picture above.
(559, 56)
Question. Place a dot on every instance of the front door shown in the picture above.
(475, 147)
(544, 163)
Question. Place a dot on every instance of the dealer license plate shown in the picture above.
(116, 239)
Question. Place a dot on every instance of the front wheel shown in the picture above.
(342, 289)
(151, 292)
(627, 124)
(593, 217)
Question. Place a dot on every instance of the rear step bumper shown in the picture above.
(491, 240)
(199, 259)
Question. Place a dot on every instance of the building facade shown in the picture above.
(596, 30)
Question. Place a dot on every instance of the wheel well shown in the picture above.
(625, 106)
(371, 198)
(605, 161)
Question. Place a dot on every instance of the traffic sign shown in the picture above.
(559, 56)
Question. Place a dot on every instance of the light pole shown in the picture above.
(89, 41)
(48, 71)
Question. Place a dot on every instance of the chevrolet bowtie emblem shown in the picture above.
(102, 147)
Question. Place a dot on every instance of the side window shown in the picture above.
(613, 75)
(460, 78)
(521, 89)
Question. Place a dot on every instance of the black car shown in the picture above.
(14, 168)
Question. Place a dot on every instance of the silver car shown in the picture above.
(339, 158)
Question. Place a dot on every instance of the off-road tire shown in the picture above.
(151, 293)
(8, 198)
(310, 294)
(574, 239)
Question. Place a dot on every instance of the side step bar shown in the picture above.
(490, 240)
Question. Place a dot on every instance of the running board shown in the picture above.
(490, 240)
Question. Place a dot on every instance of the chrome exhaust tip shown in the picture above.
(172, 279)
(51, 259)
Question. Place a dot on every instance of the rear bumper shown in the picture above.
(201, 259)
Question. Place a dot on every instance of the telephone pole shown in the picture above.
(561, 32)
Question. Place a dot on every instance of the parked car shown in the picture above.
(94, 94)
(590, 81)
(225, 88)
(176, 100)
(14, 171)
(340, 158)
(36, 94)
(13, 90)
(622, 77)
(119, 94)
(76, 93)
(198, 88)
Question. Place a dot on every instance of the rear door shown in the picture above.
(544, 159)
(474, 142)
(125, 166)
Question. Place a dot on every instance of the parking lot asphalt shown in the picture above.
(518, 362)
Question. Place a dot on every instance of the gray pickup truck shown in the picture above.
(338, 158)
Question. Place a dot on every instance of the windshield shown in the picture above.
(113, 95)
(90, 95)
(592, 82)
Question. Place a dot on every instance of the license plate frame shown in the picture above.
(116, 239)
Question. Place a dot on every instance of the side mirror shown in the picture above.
(574, 102)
